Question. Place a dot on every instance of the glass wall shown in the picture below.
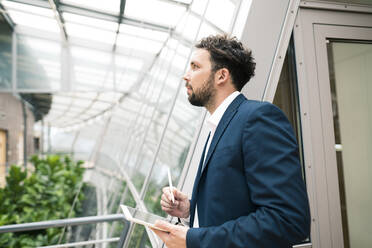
(119, 102)
(38, 64)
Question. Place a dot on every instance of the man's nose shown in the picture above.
(186, 77)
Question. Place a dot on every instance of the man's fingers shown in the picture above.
(165, 204)
(179, 195)
(166, 194)
(164, 225)
(165, 198)
(176, 193)
(162, 235)
(168, 210)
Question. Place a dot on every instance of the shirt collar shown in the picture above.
(215, 118)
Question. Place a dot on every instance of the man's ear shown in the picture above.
(222, 76)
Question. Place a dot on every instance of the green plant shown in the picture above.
(47, 193)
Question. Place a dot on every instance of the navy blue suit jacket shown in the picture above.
(250, 192)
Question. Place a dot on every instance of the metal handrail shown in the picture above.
(60, 223)
(69, 222)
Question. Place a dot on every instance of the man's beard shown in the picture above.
(203, 96)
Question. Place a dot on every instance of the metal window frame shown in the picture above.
(321, 174)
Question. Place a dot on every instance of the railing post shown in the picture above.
(124, 234)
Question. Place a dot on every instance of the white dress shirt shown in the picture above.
(212, 123)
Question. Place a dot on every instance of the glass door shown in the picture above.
(350, 74)
(344, 57)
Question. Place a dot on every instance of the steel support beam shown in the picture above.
(121, 15)
(54, 4)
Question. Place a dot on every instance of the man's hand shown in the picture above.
(180, 207)
(174, 237)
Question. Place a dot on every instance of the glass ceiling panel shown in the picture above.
(91, 22)
(122, 74)
(85, 74)
(112, 6)
(188, 26)
(110, 96)
(120, 120)
(128, 63)
(100, 106)
(82, 103)
(172, 43)
(198, 6)
(91, 69)
(179, 62)
(71, 109)
(83, 95)
(206, 30)
(88, 33)
(38, 63)
(122, 112)
(64, 116)
(93, 79)
(138, 43)
(215, 8)
(90, 56)
(125, 83)
(173, 81)
(66, 100)
(92, 112)
(156, 11)
(143, 32)
(34, 21)
(180, 48)
(28, 9)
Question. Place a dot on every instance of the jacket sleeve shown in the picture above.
(274, 179)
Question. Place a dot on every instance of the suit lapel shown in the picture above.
(195, 189)
(224, 122)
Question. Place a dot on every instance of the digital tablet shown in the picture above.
(140, 217)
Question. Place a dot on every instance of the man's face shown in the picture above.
(200, 79)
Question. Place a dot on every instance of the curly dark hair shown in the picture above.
(227, 52)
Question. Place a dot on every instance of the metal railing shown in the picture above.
(72, 222)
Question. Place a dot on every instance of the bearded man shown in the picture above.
(249, 190)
